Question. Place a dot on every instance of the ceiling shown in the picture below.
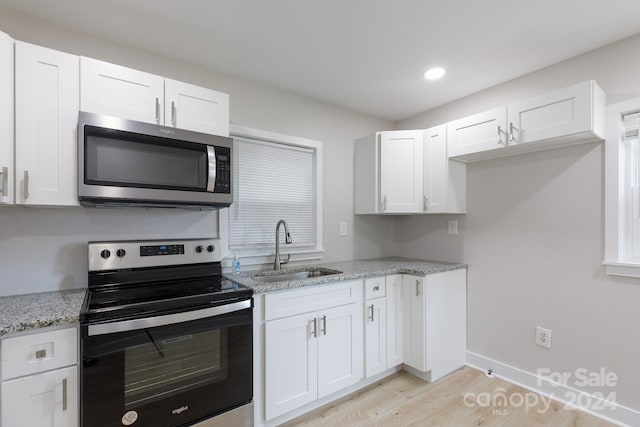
(365, 55)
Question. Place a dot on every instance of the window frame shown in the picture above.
(614, 194)
(262, 257)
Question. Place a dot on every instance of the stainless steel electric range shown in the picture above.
(166, 341)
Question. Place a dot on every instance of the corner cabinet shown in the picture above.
(40, 379)
(6, 121)
(46, 121)
(407, 172)
(131, 94)
(313, 344)
(572, 115)
(435, 323)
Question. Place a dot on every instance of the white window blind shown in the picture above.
(272, 181)
(631, 124)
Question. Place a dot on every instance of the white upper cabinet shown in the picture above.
(401, 171)
(567, 116)
(6, 120)
(119, 91)
(46, 121)
(388, 173)
(480, 132)
(196, 108)
(408, 172)
(445, 181)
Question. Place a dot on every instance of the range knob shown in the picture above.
(105, 253)
(199, 248)
(121, 253)
(211, 248)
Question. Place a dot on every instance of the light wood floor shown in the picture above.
(454, 401)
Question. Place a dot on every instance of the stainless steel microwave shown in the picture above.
(127, 163)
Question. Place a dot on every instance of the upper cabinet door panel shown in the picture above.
(563, 112)
(480, 132)
(401, 171)
(196, 108)
(118, 91)
(46, 90)
(435, 169)
(6, 120)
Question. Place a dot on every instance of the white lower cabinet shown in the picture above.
(40, 379)
(375, 329)
(435, 323)
(49, 399)
(312, 354)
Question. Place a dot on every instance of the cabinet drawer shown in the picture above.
(313, 298)
(374, 288)
(38, 352)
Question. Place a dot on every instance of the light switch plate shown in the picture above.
(343, 229)
(453, 226)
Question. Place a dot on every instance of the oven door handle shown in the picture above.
(169, 319)
(211, 180)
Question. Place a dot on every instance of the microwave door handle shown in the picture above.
(211, 181)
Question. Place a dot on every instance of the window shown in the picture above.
(275, 177)
(622, 189)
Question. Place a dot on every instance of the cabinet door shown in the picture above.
(44, 400)
(435, 169)
(291, 360)
(480, 132)
(196, 108)
(394, 320)
(401, 171)
(446, 322)
(340, 348)
(122, 92)
(414, 322)
(46, 126)
(6, 120)
(560, 113)
(375, 336)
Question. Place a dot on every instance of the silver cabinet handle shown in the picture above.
(384, 203)
(26, 184)
(314, 330)
(500, 141)
(157, 109)
(371, 312)
(417, 288)
(324, 325)
(64, 395)
(173, 113)
(426, 203)
(5, 177)
(512, 128)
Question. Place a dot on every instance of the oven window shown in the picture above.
(129, 160)
(166, 366)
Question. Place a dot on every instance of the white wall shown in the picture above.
(45, 249)
(533, 239)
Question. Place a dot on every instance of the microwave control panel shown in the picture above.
(223, 170)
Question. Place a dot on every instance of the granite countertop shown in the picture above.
(350, 270)
(30, 311)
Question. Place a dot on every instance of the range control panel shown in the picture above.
(152, 253)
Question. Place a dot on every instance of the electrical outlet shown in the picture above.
(543, 337)
(343, 229)
(452, 226)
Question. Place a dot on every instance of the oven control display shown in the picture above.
(161, 250)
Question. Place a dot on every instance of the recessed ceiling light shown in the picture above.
(434, 73)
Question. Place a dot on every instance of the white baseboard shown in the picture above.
(609, 411)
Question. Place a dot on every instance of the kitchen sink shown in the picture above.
(295, 275)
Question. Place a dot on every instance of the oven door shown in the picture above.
(167, 370)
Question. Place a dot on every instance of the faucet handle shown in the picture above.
(287, 261)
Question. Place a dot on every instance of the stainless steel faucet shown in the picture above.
(287, 239)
